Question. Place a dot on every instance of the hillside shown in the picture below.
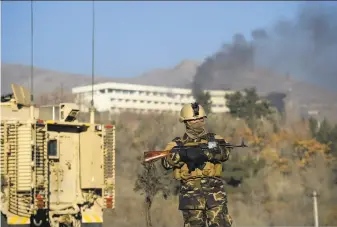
(47, 80)
(303, 94)
(44, 80)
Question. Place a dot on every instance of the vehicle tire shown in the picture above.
(92, 225)
(40, 219)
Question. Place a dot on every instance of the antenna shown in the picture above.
(32, 111)
(31, 51)
(92, 109)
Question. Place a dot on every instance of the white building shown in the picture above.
(117, 97)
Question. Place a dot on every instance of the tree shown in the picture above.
(149, 183)
(248, 106)
(324, 131)
(333, 139)
(238, 169)
(204, 99)
(313, 126)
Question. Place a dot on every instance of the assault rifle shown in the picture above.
(156, 155)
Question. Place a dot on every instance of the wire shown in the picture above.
(93, 54)
(32, 52)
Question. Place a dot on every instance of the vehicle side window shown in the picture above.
(52, 149)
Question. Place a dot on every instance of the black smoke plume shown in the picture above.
(305, 48)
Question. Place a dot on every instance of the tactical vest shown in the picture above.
(209, 169)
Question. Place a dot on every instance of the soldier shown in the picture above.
(202, 196)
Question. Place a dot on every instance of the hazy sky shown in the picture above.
(131, 37)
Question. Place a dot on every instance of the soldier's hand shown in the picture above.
(196, 155)
(190, 154)
(180, 151)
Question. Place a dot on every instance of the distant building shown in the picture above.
(117, 97)
(277, 100)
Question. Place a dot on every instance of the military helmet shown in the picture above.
(192, 111)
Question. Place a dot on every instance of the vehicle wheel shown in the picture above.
(39, 219)
(92, 225)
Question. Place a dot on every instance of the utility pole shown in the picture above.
(314, 196)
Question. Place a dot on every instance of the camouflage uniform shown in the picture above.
(202, 196)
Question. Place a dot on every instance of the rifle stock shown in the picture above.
(155, 155)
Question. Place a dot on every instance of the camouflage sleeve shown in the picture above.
(173, 160)
(221, 153)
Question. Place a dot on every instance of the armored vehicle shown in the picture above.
(55, 170)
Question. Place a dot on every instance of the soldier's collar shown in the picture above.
(187, 139)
